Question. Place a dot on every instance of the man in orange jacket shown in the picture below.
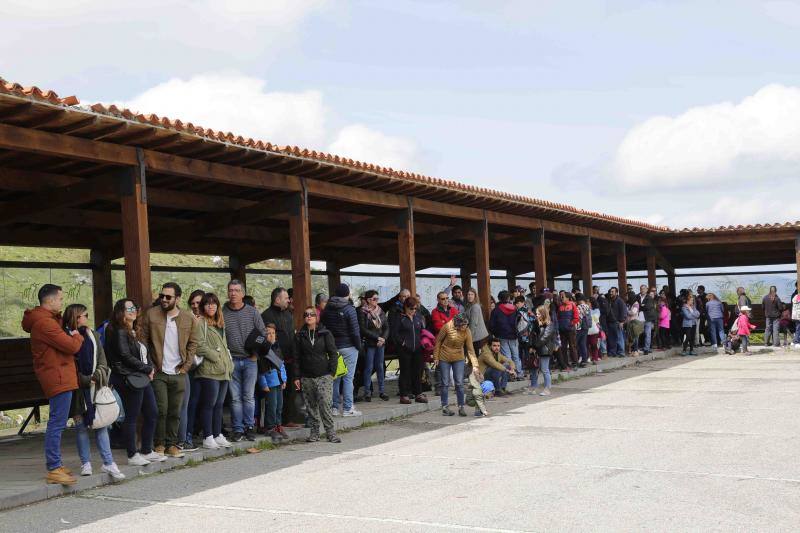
(53, 352)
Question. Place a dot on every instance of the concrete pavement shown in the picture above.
(705, 443)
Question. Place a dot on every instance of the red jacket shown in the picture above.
(53, 351)
(440, 318)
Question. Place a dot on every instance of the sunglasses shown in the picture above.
(309, 315)
(132, 309)
(167, 297)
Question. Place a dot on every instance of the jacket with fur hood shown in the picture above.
(53, 351)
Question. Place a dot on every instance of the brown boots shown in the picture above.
(60, 476)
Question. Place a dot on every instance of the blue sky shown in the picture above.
(681, 113)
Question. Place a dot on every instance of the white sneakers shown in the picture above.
(138, 460)
(209, 443)
(545, 392)
(351, 412)
(86, 469)
(155, 457)
(222, 442)
(113, 471)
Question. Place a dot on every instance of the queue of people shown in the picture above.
(175, 369)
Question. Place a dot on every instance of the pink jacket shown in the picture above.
(744, 325)
(663, 316)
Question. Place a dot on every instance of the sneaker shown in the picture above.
(335, 410)
(545, 392)
(446, 411)
(384, 397)
(59, 476)
(155, 457)
(113, 471)
(222, 442)
(249, 434)
(334, 439)
(188, 446)
(210, 444)
(138, 460)
(367, 398)
(160, 450)
(351, 412)
(421, 398)
(478, 413)
(462, 411)
(312, 438)
(237, 436)
(86, 469)
(174, 452)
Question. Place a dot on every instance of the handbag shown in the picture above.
(106, 408)
(121, 416)
(341, 367)
(137, 381)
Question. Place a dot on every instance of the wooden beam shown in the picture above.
(651, 266)
(511, 280)
(238, 270)
(622, 269)
(482, 266)
(797, 258)
(661, 260)
(586, 264)
(135, 237)
(334, 276)
(671, 284)
(301, 255)
(466, 279)
(406, 252)
(726, 238)
(102, 293)
(539, 259)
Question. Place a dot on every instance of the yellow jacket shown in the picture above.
(488, 360)
(450, 344)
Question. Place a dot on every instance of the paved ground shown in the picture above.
(699, 444)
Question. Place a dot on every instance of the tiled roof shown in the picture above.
(322, 157)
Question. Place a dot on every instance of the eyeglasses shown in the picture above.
(443, 298)
(167, 297)
(131, 309)
(309, 315)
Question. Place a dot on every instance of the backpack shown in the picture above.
(523, 326)
(586, 321)
(106, 407)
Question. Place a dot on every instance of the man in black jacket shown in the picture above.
(649, 308)
(341, 320)
(617, 312)
(279, 313)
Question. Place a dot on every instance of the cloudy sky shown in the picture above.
(677, 113)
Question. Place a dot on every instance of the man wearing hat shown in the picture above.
(342, 321)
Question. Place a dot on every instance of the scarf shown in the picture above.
(86, 363)
(374, 315)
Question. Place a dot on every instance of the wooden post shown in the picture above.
(466, 279)
(405, 250)
(482, 265)
(102, 294)
(334, 276)
(671, 284)
(511, 280)
(622, 269)
(586, 265)
(135, 235)
(576, 282)
(300, 254)
(539, 260)
(651, 268)
(797, 258)
(238, 270)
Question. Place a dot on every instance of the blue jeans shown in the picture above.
(797, 331)
(613, 334)
(242, 386)
(211, 399)
(544, 367)
(191, 398)
(350, 355)
(716, 329)
(103, 443)
(510, 348)
(498, 377)
(648, 335)
(59, 412)
(583, 350)
(771, 331)
(374, 361)
(274, 407)
(457, 368)
(621, 341)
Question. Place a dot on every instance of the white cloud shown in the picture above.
(754, 141)
(755, 207)
(364, 144)
(239, 104)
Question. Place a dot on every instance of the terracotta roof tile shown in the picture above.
(228, 137)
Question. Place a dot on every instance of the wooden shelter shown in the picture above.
(124, 184)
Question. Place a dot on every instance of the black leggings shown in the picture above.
(137, 401)
(663, 335)
(688, 338)
(410, 371)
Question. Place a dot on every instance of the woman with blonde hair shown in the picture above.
(213, 372)
(545, 346)
(474, 314)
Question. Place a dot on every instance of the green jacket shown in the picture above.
(213, 348)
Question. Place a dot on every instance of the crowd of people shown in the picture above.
(174, 369)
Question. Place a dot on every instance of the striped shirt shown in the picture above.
(238, 325)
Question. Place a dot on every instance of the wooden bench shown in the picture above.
(19, 387)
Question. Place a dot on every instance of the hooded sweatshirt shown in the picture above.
(53, 351)
(503, 321)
